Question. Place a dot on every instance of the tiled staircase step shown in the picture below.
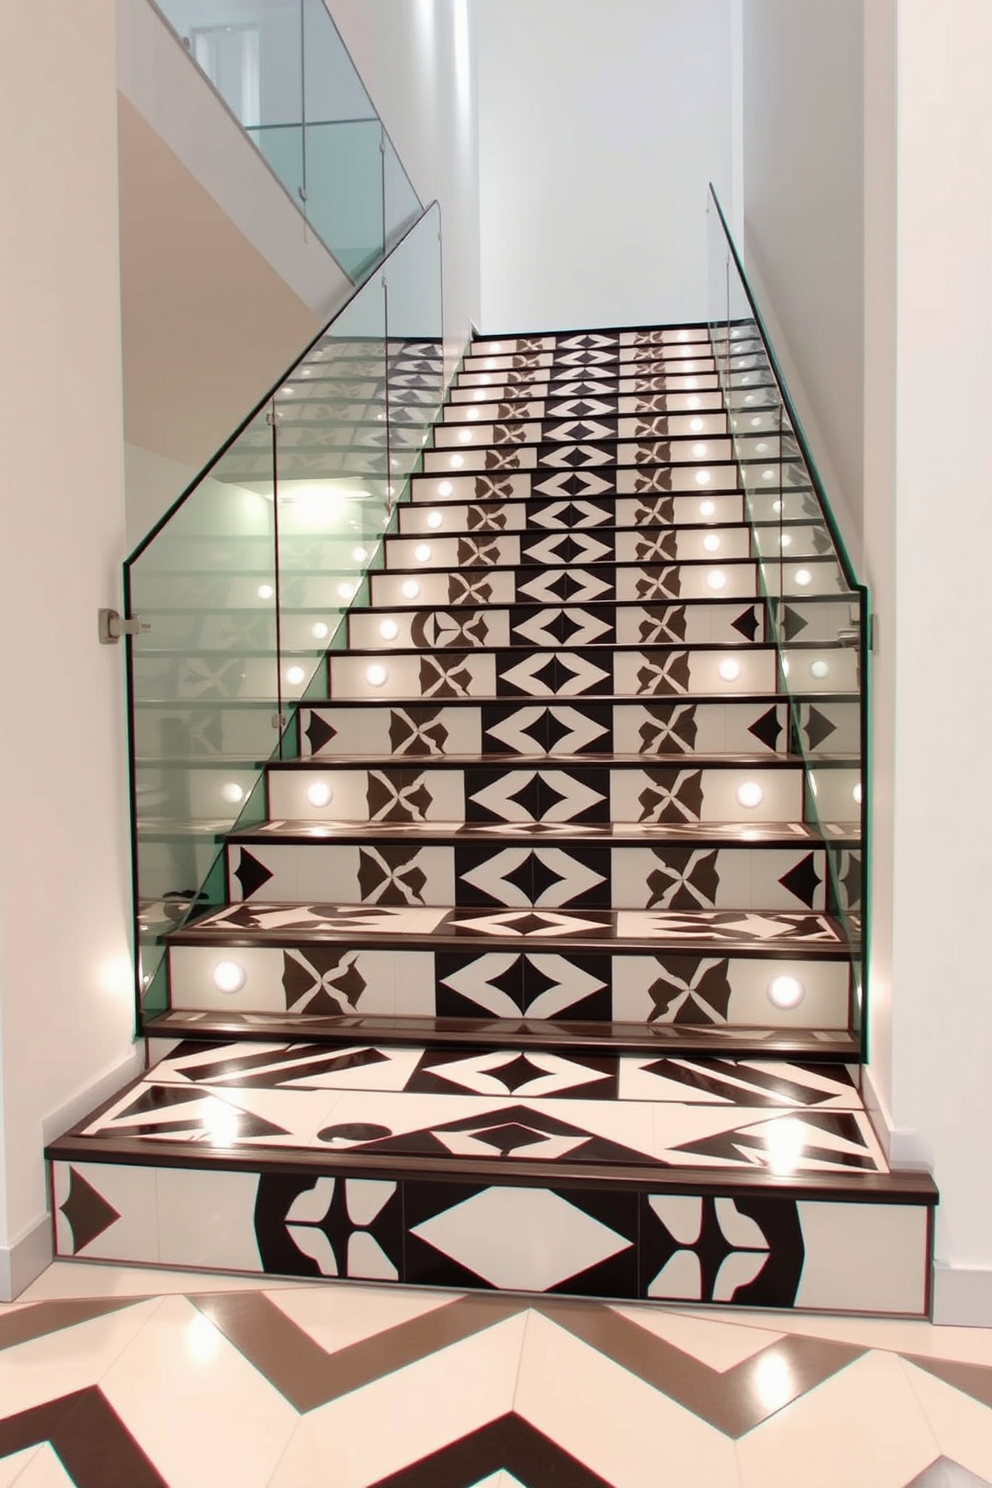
(564, 1036)
(470, 504)
(300, 861)
(690, 359)
(720, 471)
(699, 623)
(718, 790)
(439, 1168)
(604, 336)
(476, 574)
(482, 407)
(567, 584)
(750, 727)
(588, 672)
(742, 968)
(602, 497)
(498, 549)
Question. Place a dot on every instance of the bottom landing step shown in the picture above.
(730, 1183)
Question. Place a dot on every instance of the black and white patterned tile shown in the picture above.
(762, 1251)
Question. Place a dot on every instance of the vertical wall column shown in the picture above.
(65, 997)
(929, 538)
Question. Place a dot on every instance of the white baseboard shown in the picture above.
(25, 1260)
(94, 1095)
(903, 1146)
(962, 1296)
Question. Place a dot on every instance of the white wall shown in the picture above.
(804, 219)
(418, 63)
(65, 982)
(939, 641)
(600, 127)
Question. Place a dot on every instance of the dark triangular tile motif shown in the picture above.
(87, 1213)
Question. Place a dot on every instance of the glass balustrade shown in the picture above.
(817, 613)
(285, 74)
(246, 584)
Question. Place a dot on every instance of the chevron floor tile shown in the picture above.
(200, 1380)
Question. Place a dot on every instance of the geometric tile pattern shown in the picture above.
(550, 796)
(327, 1215)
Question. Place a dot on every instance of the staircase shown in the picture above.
(534, 977)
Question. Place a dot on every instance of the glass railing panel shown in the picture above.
(332, 87)
(333, 486)
(415, 322)
(251, 51)
(282, 147)
(343, 167)
(817, 611)
(401, 204)
(283, 70)
(246, 584)
(203, 679)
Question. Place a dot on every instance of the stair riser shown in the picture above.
(590, 794)
(553, 401)
(686, 448)
(722, 474)
(653, 729)
(535, 514)
(726, 988)
(605, 673)
(622, 1242)
(600, 625)
(498, 875)
(481, 411)
(602, 498)
(675, 545)
(691, 358)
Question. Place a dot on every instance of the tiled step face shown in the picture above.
(295, 863)
(530, 626)
(438, 1167)
(737, 726)
(605, 673)
(631, 412)
(785, 1251)
(422, 962)
(565, 584)
(715, 465)
(581, 792)
(435, 509)
(581, 547)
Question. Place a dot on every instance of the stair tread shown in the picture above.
(616, 1036)
(786, 834)
(547, 761)
(367, 1110)
(780, 932)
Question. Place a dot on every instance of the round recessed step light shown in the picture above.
(786, 992)
(229, 977)
(749, 795)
